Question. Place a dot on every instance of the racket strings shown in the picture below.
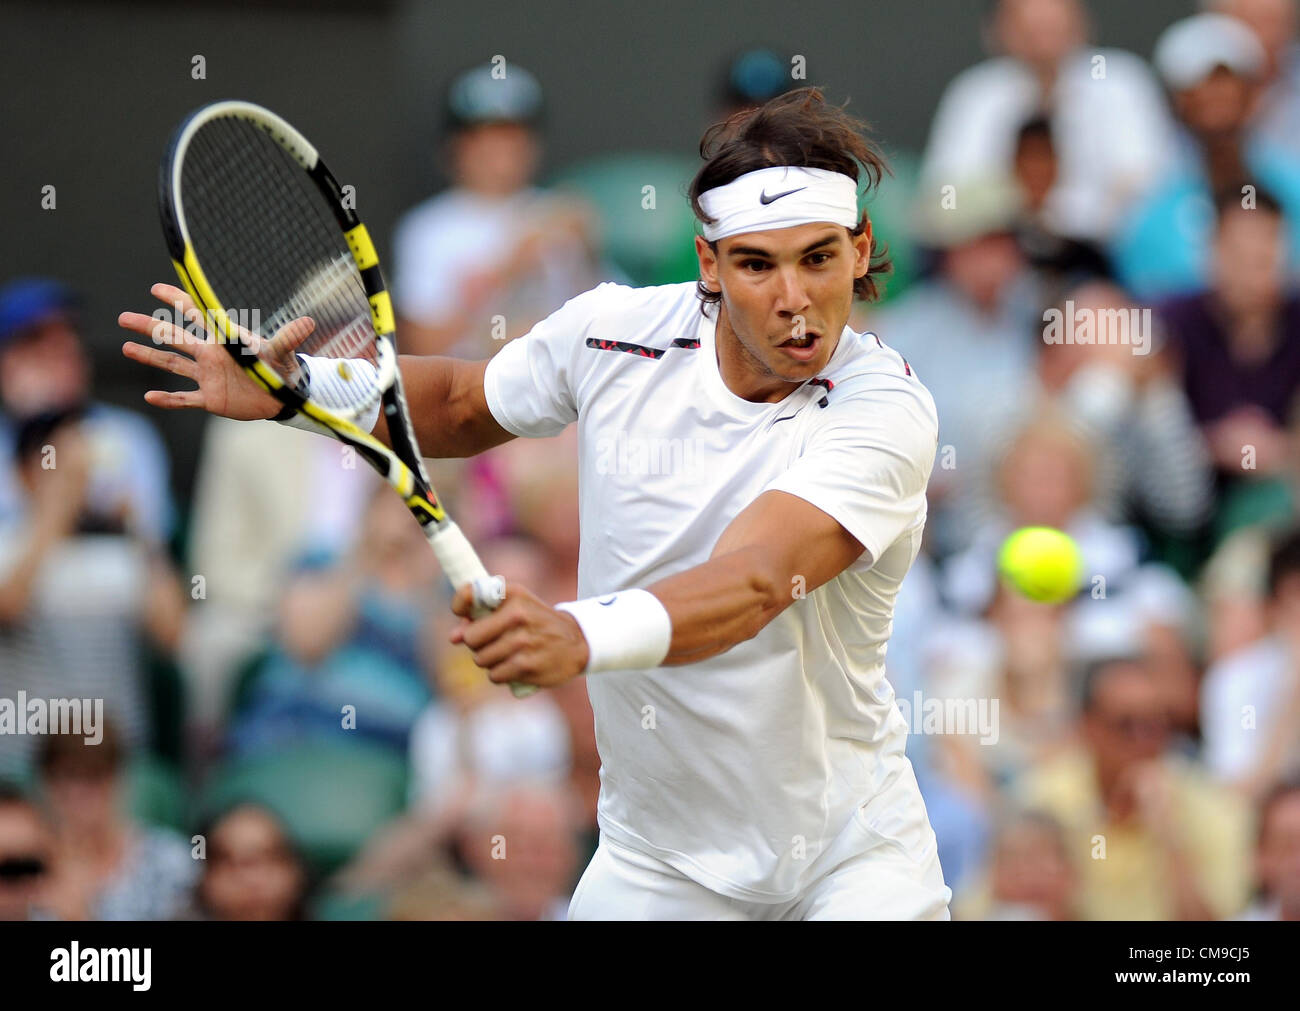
(273, 252)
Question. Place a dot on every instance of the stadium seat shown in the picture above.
(331, 796)
(891, 221)
(652, 245)
(155, 793)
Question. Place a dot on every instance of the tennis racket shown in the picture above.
(269, 247)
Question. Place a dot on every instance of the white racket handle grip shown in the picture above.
(461, 563)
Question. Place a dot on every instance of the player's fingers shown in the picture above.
(518, 666)
(160, 331)
(166, 361)
(458, 633)
(291, 335)
(462, 602)
(174, 296)
(490, 627)
(501, 649)
(188, 334)
(171, 401)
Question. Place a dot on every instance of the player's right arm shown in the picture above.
(445, 395)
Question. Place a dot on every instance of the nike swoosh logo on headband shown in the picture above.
(764, 199)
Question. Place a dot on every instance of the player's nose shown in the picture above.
(791, 295)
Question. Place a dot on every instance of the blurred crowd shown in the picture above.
(1099, 282)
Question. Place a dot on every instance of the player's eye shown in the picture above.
(817, 259)
(754, 266)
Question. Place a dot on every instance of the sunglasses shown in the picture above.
(16, 869)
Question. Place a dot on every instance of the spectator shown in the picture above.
(1276, 118)
(493, 245)
(442, 894)
(1044, 474)
(1031, 876)
(521, 842)
(1211, 65)
(44, 369)
(1238, 343)
(1250, 703)
(966, 331)
(106, 866)
(356, 636)
(1277, 855)
(82, 596)
(752, 78)
(1036, 168)
(1149, 836)
(1015, 655)
(1122, 389)
(252, 871)
(476, 734)
(1110, 125)
(25, 850)
(266, 496)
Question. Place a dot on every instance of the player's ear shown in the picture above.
(708, 264)
(863, 243)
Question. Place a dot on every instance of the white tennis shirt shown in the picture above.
(738, 770)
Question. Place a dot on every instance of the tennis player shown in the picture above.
(753, 477)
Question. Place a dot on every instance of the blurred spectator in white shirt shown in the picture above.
(483, 261)
(476, 732)
(83, 598)
(1109, 120)
(1250, 703)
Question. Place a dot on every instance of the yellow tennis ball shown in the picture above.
(1042, 563)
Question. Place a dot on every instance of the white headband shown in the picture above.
(779, 197)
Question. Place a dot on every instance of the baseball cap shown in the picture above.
(981, 206)
(485, 95)
(1189, 50)
(25, 301)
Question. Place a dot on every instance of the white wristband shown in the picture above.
(629, 630)
(323, 383)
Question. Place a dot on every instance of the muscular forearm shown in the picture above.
(448, 407)
(720, 603)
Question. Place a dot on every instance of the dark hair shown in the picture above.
(1037, 127)
(798, 128)
(213, 818)
(1229, 199)
(1284, 560)
(32, 433)
(62, 753)
(1096, 671)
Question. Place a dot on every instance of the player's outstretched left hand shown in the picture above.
(522, 640)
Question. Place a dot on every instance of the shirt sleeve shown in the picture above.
(532, 384)
(868, 462)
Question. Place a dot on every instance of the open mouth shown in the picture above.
(803, 348)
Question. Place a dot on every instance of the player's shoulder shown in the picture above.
(651, 317)
(870, 371)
